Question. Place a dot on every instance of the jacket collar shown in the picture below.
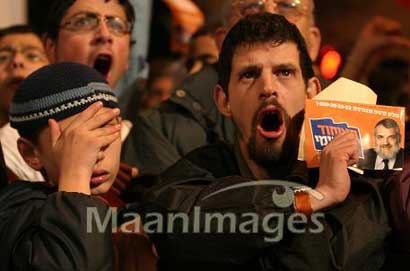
(297, 173)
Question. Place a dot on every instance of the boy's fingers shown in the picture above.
(89, 112)
(100, 156)
(55, 131)
(107, 130)
(108, 139)
(102, 118)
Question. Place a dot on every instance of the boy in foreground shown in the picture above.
(68, 120)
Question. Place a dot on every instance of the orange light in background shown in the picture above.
(330, 64)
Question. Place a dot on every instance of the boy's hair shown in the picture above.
(57, 91)
(16, 29)
(259, 29)
(59, 8)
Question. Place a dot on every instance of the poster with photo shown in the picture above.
(379, 130)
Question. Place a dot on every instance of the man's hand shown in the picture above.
(334, 179)
(76, 147)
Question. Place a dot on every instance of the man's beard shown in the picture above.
(269, 154)
(387, 154)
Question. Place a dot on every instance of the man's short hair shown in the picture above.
(16, 29)
(390, 123)
(59, 8)
(259, 29)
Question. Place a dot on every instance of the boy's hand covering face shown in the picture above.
(78, 146)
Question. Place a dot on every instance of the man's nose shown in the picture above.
(269, 6)
(269, 86)
(17, 61)
(103, 34)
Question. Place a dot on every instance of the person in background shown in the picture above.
(378, 34)
(21, 53)
(165, 74)
(173, 23)
(92, 32)
(203, 50)
(187, 18)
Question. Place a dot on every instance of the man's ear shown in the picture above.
(29, 153)
(50, 46)
(315, 38)
(222, 101)
(219, 36)
(313, 87)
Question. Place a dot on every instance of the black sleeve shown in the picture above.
(3, 170)
(58, 234)
(397, 189)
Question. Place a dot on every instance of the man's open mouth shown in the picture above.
(271, 123)
(103, 64)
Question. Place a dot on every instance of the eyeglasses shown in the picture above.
(30, 54)
(88, 21)
(292, 10)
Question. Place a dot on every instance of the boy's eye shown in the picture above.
(84, 21)
(34, 56)
(4, 56)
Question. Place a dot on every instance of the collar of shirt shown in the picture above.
(379, 164)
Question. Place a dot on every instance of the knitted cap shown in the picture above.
(57, 91)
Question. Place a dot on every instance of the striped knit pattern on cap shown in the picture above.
(57, 91)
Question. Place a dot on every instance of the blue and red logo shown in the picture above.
(325, 129)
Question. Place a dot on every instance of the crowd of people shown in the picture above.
(200, 169)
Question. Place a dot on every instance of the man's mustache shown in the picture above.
(386, 146)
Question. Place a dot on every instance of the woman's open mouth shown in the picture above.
(271, 123)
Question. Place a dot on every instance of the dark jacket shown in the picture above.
(354, 237)
(370, 159)
(41, 229)
(3, 170)
(398, 199)
(188, 120)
